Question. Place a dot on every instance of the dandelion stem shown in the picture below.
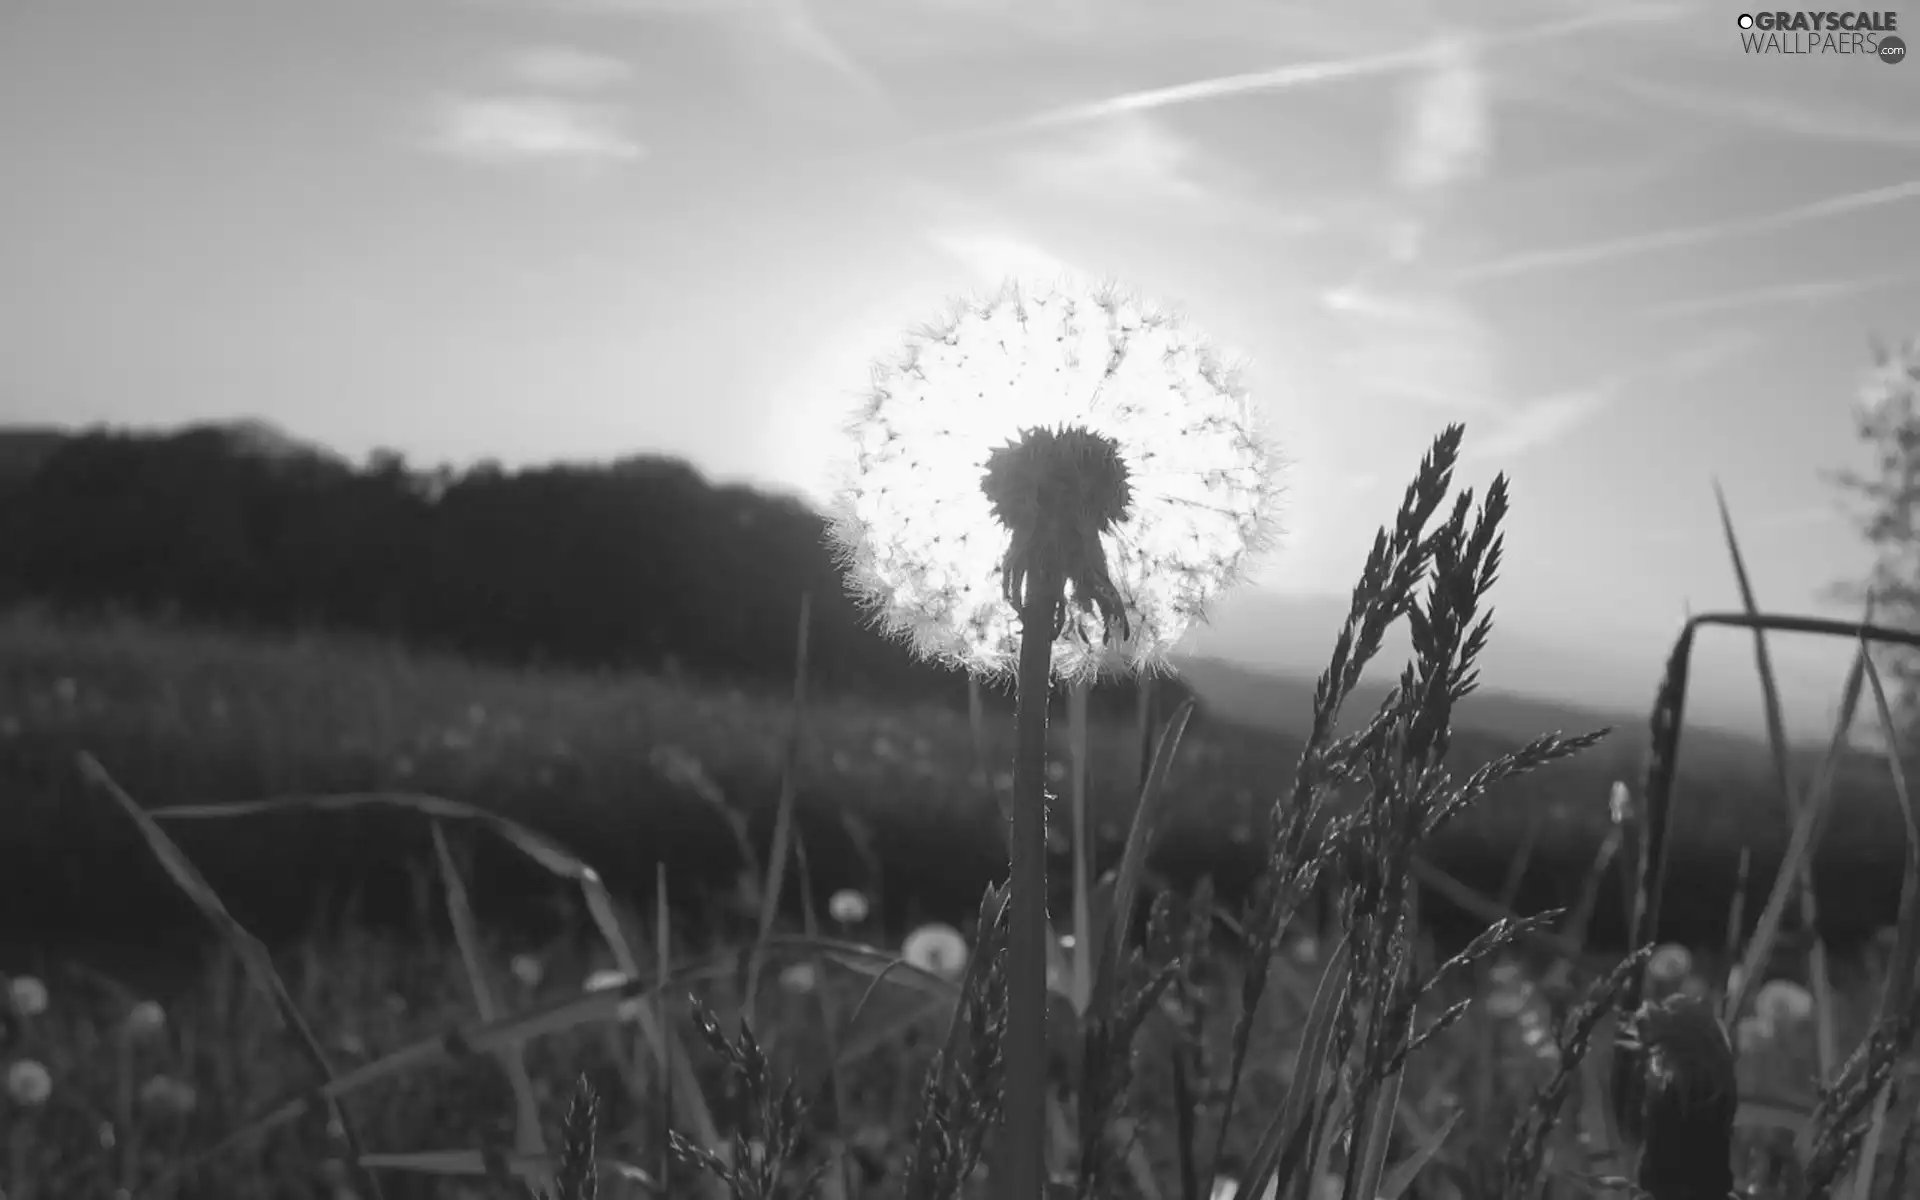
(1022, 1162)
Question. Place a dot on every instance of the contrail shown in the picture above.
(1776, 115)
(1298, 75)
(1808, 292)
(1691, 235)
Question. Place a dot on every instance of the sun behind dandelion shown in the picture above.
(924, 546)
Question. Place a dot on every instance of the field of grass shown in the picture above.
(658, 783)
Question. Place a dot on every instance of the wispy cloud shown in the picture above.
(564, 68)
(1690, 235)
(1529, 425)
(1131, 157)
(1300, 75)
(1802, 294)
(1547, 419)
(1774, 112)
(994, 258)
(1423, 347)
(527, 128)
(791, 24)
(1448, 135)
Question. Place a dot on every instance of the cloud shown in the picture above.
(1538, 422)
(1448, 133)
(1130, 157)
(1774, 112)
(1423, 347)
(532, 129)
(563, 68)
(1805, 293)
(1300, 75)
(995, 258)
(1690, 235)
(791, 24)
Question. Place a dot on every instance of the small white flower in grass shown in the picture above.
(936, 948)
(1783, 1002)
(1175, 484)
(168, 1096)
(145, 1019)
(800, 978)
(528, 970)
(1670, 964)
(28, 994)
(29, 1083)
(847, 906)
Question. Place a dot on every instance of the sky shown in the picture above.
(1633, 259)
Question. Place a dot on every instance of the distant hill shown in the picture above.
(1283, 701)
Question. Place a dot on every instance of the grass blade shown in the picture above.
(783, 811)
(247, 948)
(1284, 1144)
(1794, 866)
(527, 1138)
(1822, 985)
(542, 851)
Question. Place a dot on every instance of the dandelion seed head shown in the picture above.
(527, 969)
(1783, 1002)
(800, 978)
(168, 1096)
(918, 536)
(146, 1019)
(28, 994)
(29, 1083)
(936, 948)
(848, 906)
(1670, 964)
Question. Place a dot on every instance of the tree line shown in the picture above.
(635, 564)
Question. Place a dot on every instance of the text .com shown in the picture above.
(1869, 35)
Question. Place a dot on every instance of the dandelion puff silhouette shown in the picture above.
(1054, 482)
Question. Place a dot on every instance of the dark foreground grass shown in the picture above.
(644, 771)
(142, 1079)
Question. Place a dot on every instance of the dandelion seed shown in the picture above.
(847, 906)
(528, 970)
(29, 995)
(800, 978)
(168, 1096)
(1783, 1002)
(936, 948)
(145, 1019)
(29, 1083)
(1670, 964)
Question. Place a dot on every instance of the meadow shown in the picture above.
(158, 1046)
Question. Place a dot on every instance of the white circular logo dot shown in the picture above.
(1746, 20)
